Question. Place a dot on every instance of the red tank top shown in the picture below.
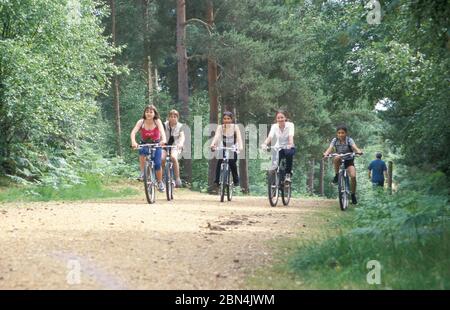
(150, 135)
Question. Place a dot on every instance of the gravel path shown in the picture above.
(193, 242)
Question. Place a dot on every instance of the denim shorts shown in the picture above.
(156, 155)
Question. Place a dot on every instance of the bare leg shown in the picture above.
(352, 173)
(142, 163)
(159, 175)
(163, 159)
(176, 166)
(337, 164)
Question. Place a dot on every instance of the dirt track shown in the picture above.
(194, 242)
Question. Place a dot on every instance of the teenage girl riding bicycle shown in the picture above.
(151, 130)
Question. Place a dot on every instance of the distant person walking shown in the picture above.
(378, 171)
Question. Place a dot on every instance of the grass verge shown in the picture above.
(93, 187)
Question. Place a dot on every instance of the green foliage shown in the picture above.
(51, 70)
(407, 233)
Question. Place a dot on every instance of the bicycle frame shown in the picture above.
(279, 186)
(169, 172)
(149, 172)
(225, 181)
(343, 179)
(169, 162)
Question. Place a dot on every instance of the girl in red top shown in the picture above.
(152, 131)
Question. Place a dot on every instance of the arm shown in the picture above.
(181, 139)
(356, 149)
(136, 128)
(329, 149)
(267, 141)
(162, 132)
(269, 137)
(216, 137)
(239, 139)
(291, 136)
(386, 174)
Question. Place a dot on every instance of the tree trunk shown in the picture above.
(322, 178)
(156, 79)
(213, 98)
(147, 58)
(311, 177)
(390, 172)
(183, 89)
(243, 174)
(116, 94)
(243, 162)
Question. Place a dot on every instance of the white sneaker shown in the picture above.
(287, 178)
(161, 187)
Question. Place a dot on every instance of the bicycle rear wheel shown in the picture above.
(169, 183)
(149, 183)
(343, 191)
(272, 187)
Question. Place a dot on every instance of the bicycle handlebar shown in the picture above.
(152, 145)
(283, 147)
(233, 148)
(343, 155)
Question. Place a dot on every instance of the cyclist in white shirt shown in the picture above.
(282, 135)
(175, 136)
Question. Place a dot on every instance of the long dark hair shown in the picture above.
(151, 107)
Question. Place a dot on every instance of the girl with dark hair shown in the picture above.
(230, 135)
(152, 131)
(342, 143)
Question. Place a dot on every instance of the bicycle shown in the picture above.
(276, 183)
(343, 179)
(150, 182)
(226, 184)
(169, 173)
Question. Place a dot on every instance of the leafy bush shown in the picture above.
(407, 233)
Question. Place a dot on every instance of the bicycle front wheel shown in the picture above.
(272, 187)
(169, 183)
(230, 186)
(286, 193)
(343, 191)
(149, 183)
(223, 183)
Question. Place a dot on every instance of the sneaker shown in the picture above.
(161, 187)
(335, 180)
(140, 177)
(354, 201)
(178, 183)
(287, 178)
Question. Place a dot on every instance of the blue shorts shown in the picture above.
(156, 155)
